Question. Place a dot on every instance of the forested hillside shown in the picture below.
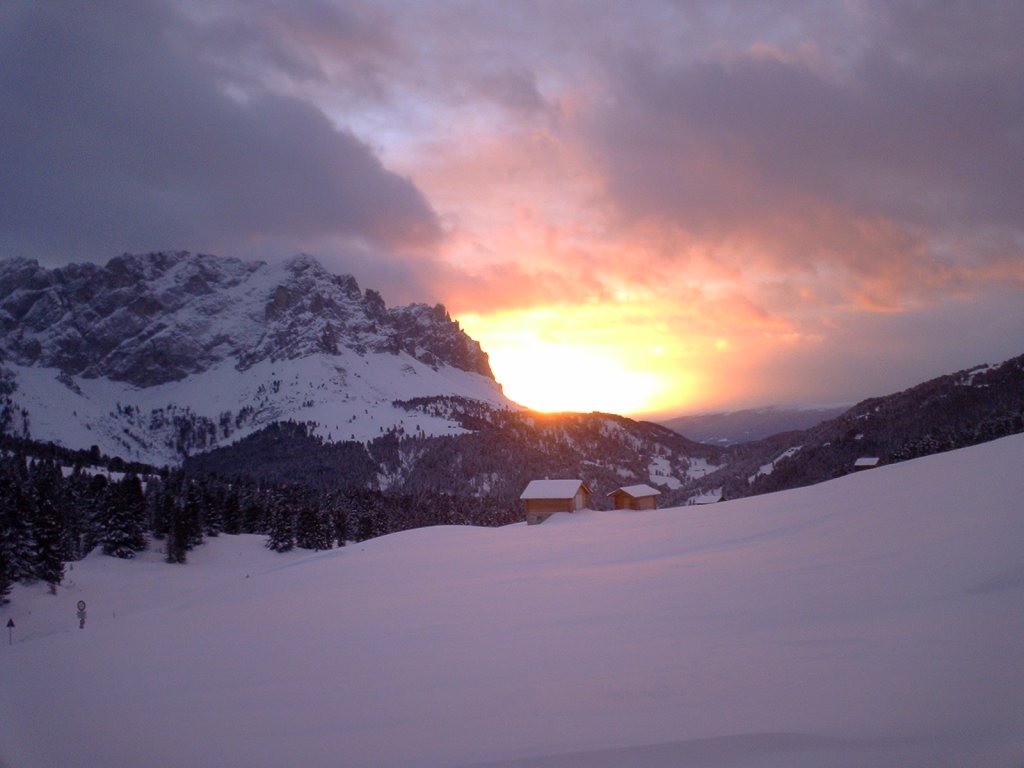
(497, 452)
(954, 411)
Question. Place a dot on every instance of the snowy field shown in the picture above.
(877, 620)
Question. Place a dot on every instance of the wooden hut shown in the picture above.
(542, 498)
(635, 497)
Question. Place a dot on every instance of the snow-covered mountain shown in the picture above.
(876, 620)
(169, 357)
(158, 318)
(159, 356)
(731, 427)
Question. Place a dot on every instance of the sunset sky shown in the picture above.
(641, 207)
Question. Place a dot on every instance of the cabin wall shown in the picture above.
(625, 501)
(539, 510)
(645, 502)
(549, 506)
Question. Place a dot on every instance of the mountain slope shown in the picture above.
(744, 426)
(492, 452)
(875, 620)
(952, 411)
(152, 319)
(156, 357)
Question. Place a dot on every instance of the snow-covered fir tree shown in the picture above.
(47, 562)
(123, 526)
(281, 537)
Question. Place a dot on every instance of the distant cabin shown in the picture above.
(635, 497)
(542, 498)
(865, 462)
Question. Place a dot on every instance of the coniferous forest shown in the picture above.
(56, 506)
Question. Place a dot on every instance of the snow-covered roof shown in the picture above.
(866, 461)
(637, 491)
(552, 489)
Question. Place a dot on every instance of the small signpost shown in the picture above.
(10, 631)
(81, 614)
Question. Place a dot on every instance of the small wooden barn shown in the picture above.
(635, 497)
(866, 462)
(542, 498)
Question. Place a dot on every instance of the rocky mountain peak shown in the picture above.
(159, 317)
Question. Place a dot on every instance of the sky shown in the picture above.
(647, 207)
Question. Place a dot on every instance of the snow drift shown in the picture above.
(874, 620)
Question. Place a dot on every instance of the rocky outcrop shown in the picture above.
(149, 319)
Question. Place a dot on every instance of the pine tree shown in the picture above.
(339, 518)
(47, 530)
(212, 504)
(6, 582)
(122, 533)
(232, 513)
(47, 563)
(7, 576)
(76, 516)
(15, 505)
(192, 515)
(97, 498)
(151, 494)
(313, 530)
(254, 512)
(162, 499)
(177, 536)
(281, 537)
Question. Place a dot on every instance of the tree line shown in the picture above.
(52, 514)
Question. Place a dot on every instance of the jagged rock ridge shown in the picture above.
(160, 317)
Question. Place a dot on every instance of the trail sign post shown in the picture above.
(81, 614)
(10, 631)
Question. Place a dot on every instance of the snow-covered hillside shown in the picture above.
(348, 395)
(156, 357)
(876, 620)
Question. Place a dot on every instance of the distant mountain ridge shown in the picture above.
(743, 426)
(160, 317)
(960, 409)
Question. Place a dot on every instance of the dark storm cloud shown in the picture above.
(119, 133)
(903, 154)
(349, 47)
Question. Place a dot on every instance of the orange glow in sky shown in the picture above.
(758, 205)
(579, 359)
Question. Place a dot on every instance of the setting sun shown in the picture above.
(558, 377)
(602, 368)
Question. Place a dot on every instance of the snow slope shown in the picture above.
(348, 395)
(161, 356)
(876, 620)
